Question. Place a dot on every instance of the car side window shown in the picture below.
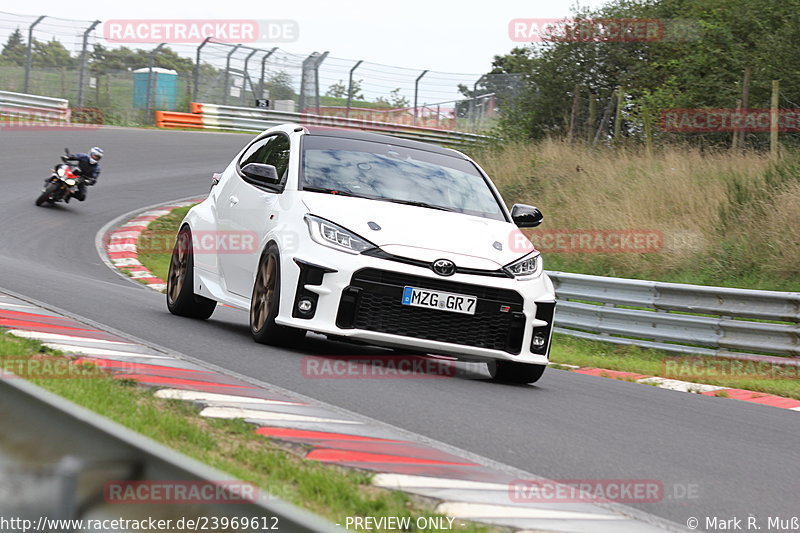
(273, 150)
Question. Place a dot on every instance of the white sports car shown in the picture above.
(369, 238)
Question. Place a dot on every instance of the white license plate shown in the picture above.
(444, 301)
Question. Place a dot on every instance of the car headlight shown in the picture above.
(527, 267)
(334, 236)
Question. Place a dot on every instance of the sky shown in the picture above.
(440, 35)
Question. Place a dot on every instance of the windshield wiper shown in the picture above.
(418, 204)
(334, 191)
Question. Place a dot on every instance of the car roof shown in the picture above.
(326, 131)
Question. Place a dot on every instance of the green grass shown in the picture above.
(587, 353)
(228, 445)
(155, 243)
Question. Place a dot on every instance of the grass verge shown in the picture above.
(156, 242)
(228, 445)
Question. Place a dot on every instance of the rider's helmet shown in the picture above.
(95, 154)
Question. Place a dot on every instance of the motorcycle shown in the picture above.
(62, 184)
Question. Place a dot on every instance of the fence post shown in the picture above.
(618, 114)
(226, 88)
(150, 101)
(350, 88)
(29, 53)
(416, 93)
(82, 73)
(317, 63)
(774, 148)
(573, 116)
(196, 87)
(263, 66)
(247, 74)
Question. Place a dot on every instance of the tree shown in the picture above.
(395, 101)
(339, 90)
(51, 54)
(104, 60)
(279, 85)
(14, 50)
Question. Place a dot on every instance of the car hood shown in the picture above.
(423, 233)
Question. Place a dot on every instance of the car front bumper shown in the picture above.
(358, 297)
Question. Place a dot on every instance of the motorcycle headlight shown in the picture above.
(61, 171)
(527, 267)
(334, 236)
(70, 182)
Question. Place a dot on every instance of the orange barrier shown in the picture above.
(171, 119)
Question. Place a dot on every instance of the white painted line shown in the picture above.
(158, 286)
(99, 352)
(141, 274)
(156, 213)
(794, 409)
(405, 481)
(135, 223)
(214, 398)
(63, 338)
(682, 386)
(563, 365)
(254, 414)
(482, 510)
(4, 305)
(121, 248)
(120, 235)
(127, 261)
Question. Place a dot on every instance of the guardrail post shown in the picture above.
(150, 101)
(350, 87)
(263, 67)
(196, 88)
(228, 74)
(84, 58)
(416, 93)
(29, 53)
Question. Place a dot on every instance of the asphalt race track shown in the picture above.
(741, 459)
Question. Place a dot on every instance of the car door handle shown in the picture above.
(233, 200)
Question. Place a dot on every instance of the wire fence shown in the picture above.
(71, 59)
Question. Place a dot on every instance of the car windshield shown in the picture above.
(396, 174)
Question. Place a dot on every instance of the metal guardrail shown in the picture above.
(257, 120)
(31, 105)
(56, 457)
(675, 317)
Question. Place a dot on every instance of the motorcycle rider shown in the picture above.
(87, 168)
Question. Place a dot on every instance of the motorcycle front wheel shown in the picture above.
(46, 194)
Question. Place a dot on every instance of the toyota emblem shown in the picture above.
(444, 267)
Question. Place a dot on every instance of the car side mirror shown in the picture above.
(526, 216)
(261, 174)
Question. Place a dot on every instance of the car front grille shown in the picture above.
(373, 302)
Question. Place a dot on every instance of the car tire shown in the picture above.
(513, 372)
(265, 303)
(181, 299)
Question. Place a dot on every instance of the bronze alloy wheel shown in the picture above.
(264, 293)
